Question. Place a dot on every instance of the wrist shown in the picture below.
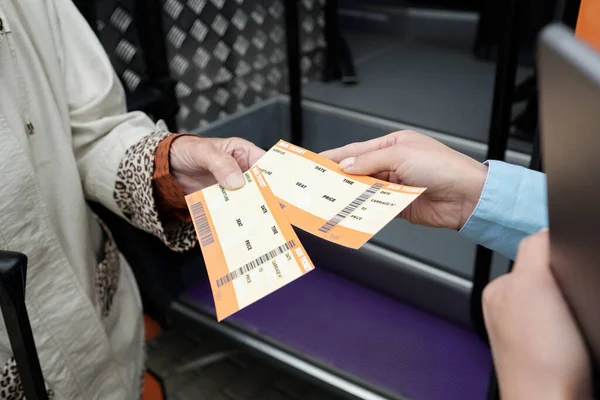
(180, 152)
(474, 184)
(179, 141)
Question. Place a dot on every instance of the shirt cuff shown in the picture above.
(134, 194)
(168, 193)
(513, 205)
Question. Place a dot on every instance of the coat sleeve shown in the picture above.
(114, 148)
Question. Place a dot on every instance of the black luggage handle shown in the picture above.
(13, 275)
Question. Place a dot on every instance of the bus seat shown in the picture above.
(354, 332)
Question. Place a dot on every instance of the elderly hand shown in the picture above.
(198, 162)
(537, 348)
(453, 180)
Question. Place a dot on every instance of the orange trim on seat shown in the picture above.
(152, 387)
(588, 22)
(152, 328)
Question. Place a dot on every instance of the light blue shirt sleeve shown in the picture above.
(513, 205)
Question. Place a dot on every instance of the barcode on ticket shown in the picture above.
(327, 226)
(202, 226)
(255, 263)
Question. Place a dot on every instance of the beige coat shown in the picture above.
(65, 137)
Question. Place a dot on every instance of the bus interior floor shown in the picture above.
(195, 366)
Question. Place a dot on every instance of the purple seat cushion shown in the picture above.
(369, 335)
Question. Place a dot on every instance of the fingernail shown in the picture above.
(235, 180)
(347, 163)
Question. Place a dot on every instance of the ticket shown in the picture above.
(318, 197)
(249, 247)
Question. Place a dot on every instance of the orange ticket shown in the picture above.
(318, 197)
(249, 247)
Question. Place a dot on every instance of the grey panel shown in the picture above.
(399, 276)
(444, 28)
(438, 87)
(366, 45)
(263, 124)
(325, 130)
(328, 126)
(441, 247)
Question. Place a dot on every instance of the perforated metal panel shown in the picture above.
(225, 54)
(118, 36)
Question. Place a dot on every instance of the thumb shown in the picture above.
(533, 255)
(224, 168)
(371, 163)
